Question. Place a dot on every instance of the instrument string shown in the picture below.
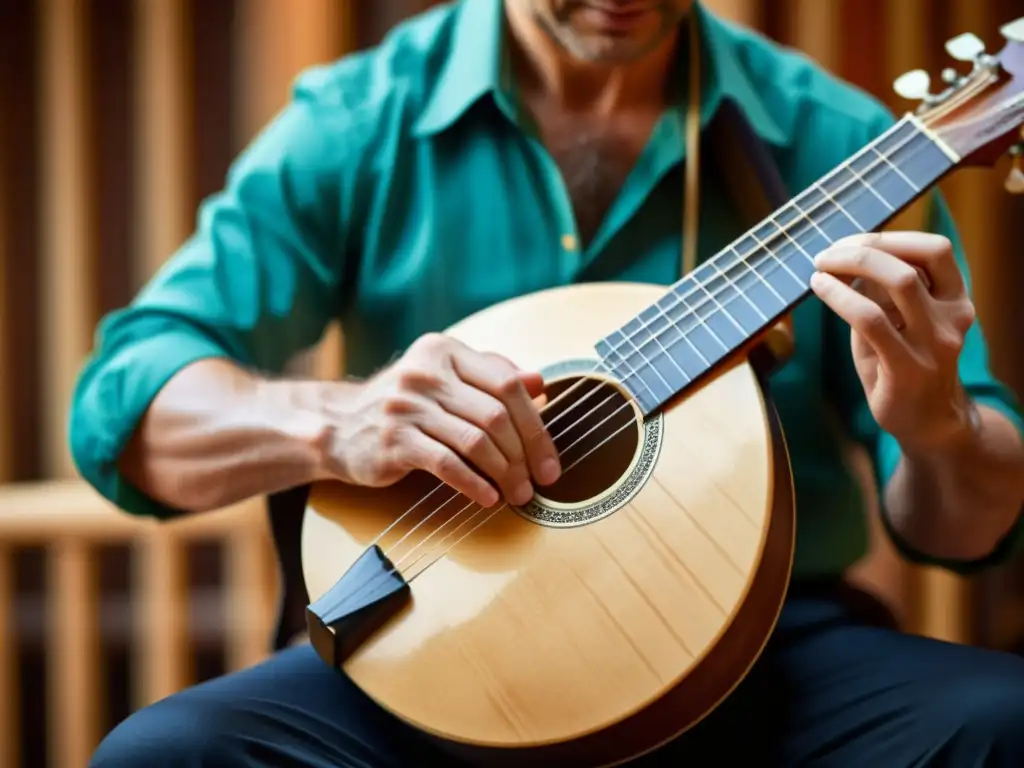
(777, 263)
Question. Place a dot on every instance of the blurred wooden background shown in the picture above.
(116, 118)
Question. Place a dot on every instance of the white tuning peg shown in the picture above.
(913, 85)
(965, 47)
(1015, 180)
(1014, 30)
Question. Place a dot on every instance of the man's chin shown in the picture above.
(608, 49)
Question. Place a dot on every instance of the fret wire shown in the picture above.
(633, 371)
(915, 137)
(708, 327)
(741, 260)
(896, 168)
(651, 334)
(649, 363)
(772, 253)
(871, 189)
(837, 204)
(744, 295)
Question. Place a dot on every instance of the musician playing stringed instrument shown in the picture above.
(560, 527)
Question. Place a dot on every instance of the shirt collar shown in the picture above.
(475, 68)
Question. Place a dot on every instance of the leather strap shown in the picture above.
(742, 158)
(691, 200)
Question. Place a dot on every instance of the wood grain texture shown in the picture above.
(530, 635)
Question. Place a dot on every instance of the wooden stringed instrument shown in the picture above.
(622, 605)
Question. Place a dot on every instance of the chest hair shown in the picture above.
(595, 160)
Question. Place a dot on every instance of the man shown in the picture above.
(493, 148)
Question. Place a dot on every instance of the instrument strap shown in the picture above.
(744, 161)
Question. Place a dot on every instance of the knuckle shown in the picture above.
(872, 320)
(390, 438)
(445, 464)
(966, 316)
(432, 342)
(475, 441)
(397, 404)
(859, 257)
(949, 341)
(497, 420)
(418, 379)
(509, 384)
(943, 246)
(906, 281)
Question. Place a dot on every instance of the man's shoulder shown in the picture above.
(387, 81)
(801, 95)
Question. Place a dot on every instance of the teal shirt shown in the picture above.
(400, 190)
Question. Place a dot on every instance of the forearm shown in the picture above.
(216, 434)
(957, 503)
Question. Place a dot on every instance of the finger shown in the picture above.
(442, 462)
(864, 316)
(899, 279)
(478, 408)
(473, 443)
(933, 253)
(532, 380)
(504, 384)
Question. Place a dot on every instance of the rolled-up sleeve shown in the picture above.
(257, 282)
(977, 378)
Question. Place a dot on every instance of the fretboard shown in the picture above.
(746, 288)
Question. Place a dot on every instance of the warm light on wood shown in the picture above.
(164, 127)
(68, 258)
(73, 660)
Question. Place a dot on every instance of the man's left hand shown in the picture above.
(905, 299)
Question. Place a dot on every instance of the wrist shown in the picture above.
(294, 413)
(309, 416)
(955, 429)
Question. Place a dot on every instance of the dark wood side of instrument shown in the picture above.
(711, 681)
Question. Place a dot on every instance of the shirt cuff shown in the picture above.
(112, 395)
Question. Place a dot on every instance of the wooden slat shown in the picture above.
(279, 39)
(249, 611)
(73, 660)
(6, 422)
(814, 30)
(68, 312)
(160, 653)
(163, 126)
(746, 12)
(10, 715)
(37, 512)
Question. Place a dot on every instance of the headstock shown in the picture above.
(979, 114)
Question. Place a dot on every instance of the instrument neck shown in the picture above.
(736, 295)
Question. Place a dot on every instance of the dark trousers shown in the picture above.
(831, 689)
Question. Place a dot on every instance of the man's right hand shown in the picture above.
(462, 415)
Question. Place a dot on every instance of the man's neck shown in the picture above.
(545, 71)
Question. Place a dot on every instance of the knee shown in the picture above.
(985, 712)
(173, 732)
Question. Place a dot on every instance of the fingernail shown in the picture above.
(523, 494)
(549, 471)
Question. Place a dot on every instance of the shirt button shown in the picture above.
(569, 242)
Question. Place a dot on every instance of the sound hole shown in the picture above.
(596, 431)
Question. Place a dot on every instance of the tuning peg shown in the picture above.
(950, 76)
(913, 85)
(965, 47)
(1015, 180)
(1014, 30)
